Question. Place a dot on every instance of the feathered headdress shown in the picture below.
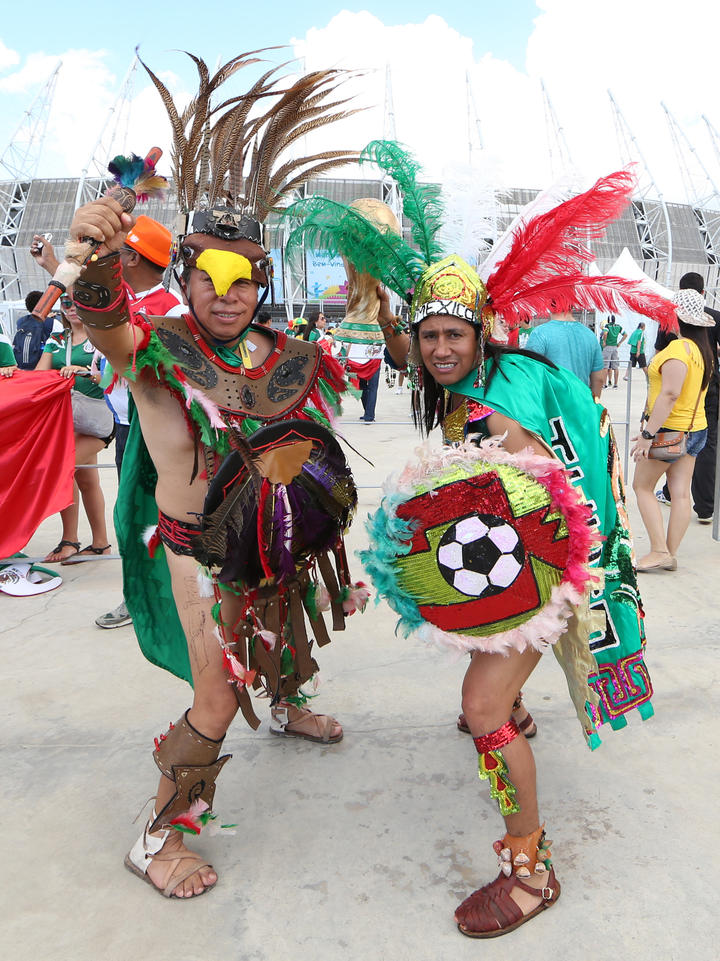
(540, 272)
(226, 154)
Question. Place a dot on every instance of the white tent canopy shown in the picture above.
(627, 268)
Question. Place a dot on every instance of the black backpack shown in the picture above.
(29, 340)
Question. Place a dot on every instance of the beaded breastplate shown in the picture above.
(266, 393)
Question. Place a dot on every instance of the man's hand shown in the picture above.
(103, 220)
(7, 371)
(42, 252)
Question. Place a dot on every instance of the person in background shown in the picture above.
(703, 482)
(613, 336)
(71, 354)
(636, 343)
(8, 363)
(144, 258)
(524, 329)
(568, 343)
(315, 326)
(31, 334)
(264, 318)
(678, 379)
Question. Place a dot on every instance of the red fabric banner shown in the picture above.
(37, 453)
(363, 371)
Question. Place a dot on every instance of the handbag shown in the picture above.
(91, 415)
(670, 445)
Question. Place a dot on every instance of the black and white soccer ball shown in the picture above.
(480, 555)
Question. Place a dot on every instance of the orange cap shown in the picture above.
(151, 240)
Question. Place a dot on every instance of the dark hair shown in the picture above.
(692, 281)
(264, 317)
(311, 324)
(699, 336)
(31, 301)
(433, 402)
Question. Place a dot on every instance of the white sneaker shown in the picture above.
(117, 618)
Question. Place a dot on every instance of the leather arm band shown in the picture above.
(100, 296)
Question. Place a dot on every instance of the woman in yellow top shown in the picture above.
(678, 378)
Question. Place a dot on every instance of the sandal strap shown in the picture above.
(526, 722)
(492, 908)
(195, 862)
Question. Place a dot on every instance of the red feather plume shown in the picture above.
(568, 290)
(543, 270)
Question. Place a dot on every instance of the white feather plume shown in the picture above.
(470, 213)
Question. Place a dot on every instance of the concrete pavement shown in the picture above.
(363, 849)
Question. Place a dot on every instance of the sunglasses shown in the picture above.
(66, 302)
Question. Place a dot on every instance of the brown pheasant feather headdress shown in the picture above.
(225, 156)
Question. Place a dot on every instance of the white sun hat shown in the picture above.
(691, 308)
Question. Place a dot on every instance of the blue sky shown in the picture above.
(498, 26)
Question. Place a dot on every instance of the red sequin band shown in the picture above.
(496, 740)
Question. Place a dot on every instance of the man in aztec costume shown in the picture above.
(520, 541)
(235, 465)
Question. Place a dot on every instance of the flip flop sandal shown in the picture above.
(56, 550)
(86, 554)
(24, 580)
(279, 725)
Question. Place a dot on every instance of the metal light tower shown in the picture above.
(19, 163)
(652, 220)
(113, 138)
(560, 161)
(473, 120)
(703, 197)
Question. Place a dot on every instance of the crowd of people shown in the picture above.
(223, 428)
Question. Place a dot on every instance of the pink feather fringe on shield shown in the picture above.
(545, 627)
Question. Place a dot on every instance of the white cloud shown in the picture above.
(645, 52)
(8, 57)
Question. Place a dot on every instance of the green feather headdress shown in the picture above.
(421, 202)
(339, 229)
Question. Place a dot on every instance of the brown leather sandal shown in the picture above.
(281, 725)
(167, 846)
(491, 911)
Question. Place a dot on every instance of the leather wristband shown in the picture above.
(99, 294)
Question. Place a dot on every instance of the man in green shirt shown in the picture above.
(612, 337)
(636, 343)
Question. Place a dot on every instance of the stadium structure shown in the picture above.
(653, 238)
(49, 204)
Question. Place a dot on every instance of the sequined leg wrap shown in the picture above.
(492, 766)
(191, 760)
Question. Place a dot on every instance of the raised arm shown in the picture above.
(398, 344)
(99, 293)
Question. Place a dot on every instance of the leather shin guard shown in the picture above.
(492, 766)
(524, 856)
(192, 761)
(99, 294)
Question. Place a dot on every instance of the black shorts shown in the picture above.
(638, 360)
